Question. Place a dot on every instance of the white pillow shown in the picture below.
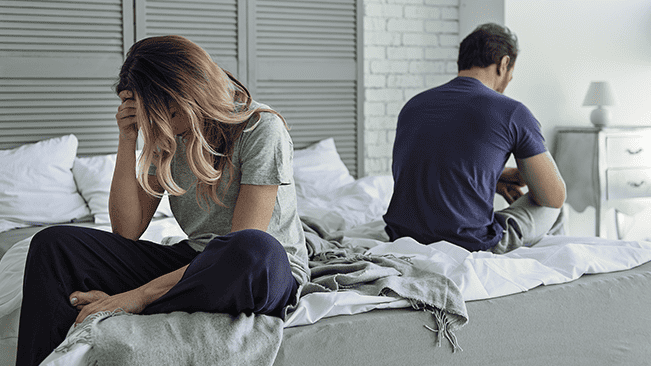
(93, 175)
(318, 170)
(37, 185)
(361, 202)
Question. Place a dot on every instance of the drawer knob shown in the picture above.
(635, 184)
(634, 152)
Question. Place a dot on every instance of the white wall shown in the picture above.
(409, 46)
(475, 12)
(566, 44)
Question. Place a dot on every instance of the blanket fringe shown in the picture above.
(343, 257)
(442, 323)
(81, 333)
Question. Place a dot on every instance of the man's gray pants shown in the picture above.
(526, 223)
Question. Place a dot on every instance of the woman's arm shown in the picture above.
(254, 207)
(253, 210)
(133, 301)
(130, 207)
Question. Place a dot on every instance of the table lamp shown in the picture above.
(599, 94)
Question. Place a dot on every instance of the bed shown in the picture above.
(566, 301)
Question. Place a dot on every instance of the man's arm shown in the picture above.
(510, 185)
(546, 186)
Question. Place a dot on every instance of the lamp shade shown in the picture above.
(599, 93)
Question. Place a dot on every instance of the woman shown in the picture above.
(226, 162)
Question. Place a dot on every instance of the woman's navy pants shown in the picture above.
(242, 272)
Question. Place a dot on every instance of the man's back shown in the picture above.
(451, 146)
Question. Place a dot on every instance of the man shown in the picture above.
(452, 143)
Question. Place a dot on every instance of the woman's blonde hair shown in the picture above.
(159, 70)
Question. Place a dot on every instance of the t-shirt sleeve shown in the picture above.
(266, 153)
(529, 140)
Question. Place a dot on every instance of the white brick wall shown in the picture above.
(409, 46)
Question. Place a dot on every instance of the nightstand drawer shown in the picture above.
(628, 151)
(628, 183)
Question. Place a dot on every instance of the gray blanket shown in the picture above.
(178, 338)
(337, 267)
(200, 338)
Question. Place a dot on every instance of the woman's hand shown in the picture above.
(126, 116)
(91, 302)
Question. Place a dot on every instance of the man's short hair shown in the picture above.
(486, 45)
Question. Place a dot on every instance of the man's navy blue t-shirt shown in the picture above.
(451, 145)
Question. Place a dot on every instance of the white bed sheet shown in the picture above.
(356, 210)
(482, 275)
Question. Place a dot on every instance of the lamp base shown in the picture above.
(600, 117)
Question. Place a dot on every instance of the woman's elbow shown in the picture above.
(131, 235)
(126, 230)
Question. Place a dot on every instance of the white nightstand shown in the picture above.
(605, 168)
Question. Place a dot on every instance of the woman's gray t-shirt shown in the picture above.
(261, 156)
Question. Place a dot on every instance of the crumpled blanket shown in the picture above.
(178, 338)
(338, 267)
(118, 338)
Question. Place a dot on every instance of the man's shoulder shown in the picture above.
(504, 102)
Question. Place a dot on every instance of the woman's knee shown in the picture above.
(52, 238)
(50, 251)
(250, 253)
(251, 261)
(248, 245)
(64, 240)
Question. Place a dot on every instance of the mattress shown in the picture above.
(600, 319)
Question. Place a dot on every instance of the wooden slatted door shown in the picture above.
(305, 61)
(59, 62)
(217, 26)
(301, 57)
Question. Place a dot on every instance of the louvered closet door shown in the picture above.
(212, 24)
(306, 63)
(58, 63)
